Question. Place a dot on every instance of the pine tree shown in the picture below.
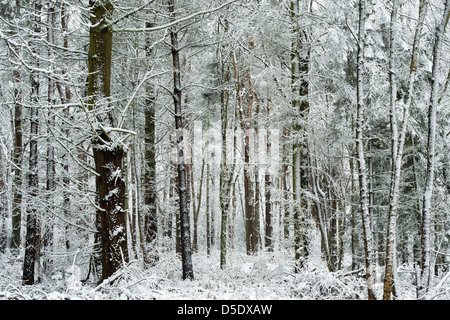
(108, 152)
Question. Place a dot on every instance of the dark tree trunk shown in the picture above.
(3, 202)
(32, 232)
(151, 224)
(17, 160)
(108, 156)
(185, 237)
(16, 218)
(111, 192)
(32, 240)
(267, 187)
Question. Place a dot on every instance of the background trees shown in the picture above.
(131, 130)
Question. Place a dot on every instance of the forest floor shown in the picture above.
(266, 276)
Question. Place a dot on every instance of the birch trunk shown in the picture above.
(427, 215)
(398, 142)
(362, 169)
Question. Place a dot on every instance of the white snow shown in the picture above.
(265, 276)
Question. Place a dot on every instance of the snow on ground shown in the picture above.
(266, 276)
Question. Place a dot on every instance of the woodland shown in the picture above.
(240, 149)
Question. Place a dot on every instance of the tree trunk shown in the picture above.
(427, 215)
(16, 220)
(392, 215)
(226, 170)
(16, 216)
(300, 58)
(32, 231)
(208, 182)
(362, 169)
(284, 185)
(151, 225)
(3, 201)
(256, 164)
(245, 120)
(108, 155)
(65, 97)
(197, 210)
(268, 234)
(398, 142)
(188, 272)
(32, 240)
(47, 235)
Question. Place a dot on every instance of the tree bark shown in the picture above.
(32, 239)
(362, 169)
(208, 182)
(108, 155)
(245, 120)
(16, 217)
(256, 164)
(226, 170)
(398, 141)
(300, 59)
(427, 214)
(268, 234)
(188, 272)
(150, 193)
(16, 220)
(284, 185)
(3, 200)
(65, 97)
(47, 233)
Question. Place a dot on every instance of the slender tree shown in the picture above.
(361, 162)
(226, 169)
(268, 234)
(47, 226)
(185, 237)
(3, 198)
(427, 214)
(32, 238)
(398, 139)
(150, 193)
(16, 216)
(300, 60)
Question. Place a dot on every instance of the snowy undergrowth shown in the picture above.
(266, 276)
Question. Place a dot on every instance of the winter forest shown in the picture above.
(235, 149)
